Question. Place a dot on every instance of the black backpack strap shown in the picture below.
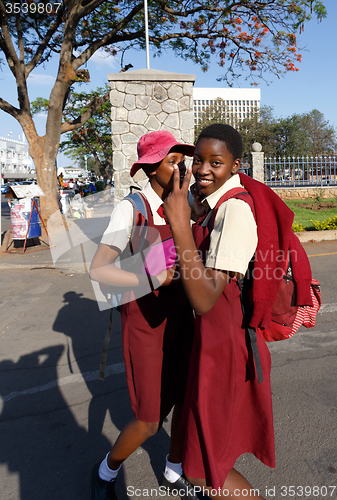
(105, 347)
(251, 331)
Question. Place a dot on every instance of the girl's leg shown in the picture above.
(235, 486)
(131, 437)
(177, 437)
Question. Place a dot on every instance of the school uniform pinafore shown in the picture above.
(226, 413)
(158, 333)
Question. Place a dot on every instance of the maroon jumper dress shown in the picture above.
(157, 341)
(226, 413)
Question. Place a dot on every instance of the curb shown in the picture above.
(312, 236)
(304, 237)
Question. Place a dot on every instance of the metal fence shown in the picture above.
(300, 171)
(245, 168)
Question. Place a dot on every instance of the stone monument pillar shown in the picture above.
(143, 101)
(257, 162)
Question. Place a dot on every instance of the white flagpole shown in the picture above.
(147, 35)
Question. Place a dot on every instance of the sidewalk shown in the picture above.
(37, 258)
(33, 256)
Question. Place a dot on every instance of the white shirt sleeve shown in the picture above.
(233, 239)
(120, 226)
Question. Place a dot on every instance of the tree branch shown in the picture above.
(94, 105)
(108, 38)
(44, 44)
(20, 40)
(8, 108)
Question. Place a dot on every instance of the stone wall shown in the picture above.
(295, 193)
(143, 101)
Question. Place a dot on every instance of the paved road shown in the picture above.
(57, 419)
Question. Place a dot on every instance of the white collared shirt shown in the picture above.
(233, 240)
(121, 222)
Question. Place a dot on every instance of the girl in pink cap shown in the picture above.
(157, 327)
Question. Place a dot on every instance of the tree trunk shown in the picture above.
(44, 159)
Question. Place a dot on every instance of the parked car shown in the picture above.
(4, 187)
(286, 174)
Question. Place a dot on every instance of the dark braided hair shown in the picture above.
(226, 134)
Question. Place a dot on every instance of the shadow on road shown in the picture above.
(85, 326)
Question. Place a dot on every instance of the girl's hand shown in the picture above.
(176, 206)
(166, 277)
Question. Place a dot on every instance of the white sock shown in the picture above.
(172, 471)
(105, 472)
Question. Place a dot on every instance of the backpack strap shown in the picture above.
(139, 207)
(240, 194)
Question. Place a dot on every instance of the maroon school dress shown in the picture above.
(157, 341)
(227, 412)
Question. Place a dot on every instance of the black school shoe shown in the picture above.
(101, 490)
(181, 487)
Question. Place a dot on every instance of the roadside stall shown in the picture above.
(25, 215)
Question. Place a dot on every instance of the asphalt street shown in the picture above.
(57, 419)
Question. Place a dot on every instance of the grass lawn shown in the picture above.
(303, 215)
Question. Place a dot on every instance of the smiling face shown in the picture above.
(162, 177)
(213, 165)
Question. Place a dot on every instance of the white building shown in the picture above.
(240, 103)
(73, 173)
(15, 162)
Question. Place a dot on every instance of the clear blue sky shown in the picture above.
(313, 87)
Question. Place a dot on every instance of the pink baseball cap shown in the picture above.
(154, 146)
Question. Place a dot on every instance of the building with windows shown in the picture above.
(235, 103)
(15, 163)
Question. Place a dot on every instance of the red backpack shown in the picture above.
(286, 316)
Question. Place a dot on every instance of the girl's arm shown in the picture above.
(203, 285)
(104, 271)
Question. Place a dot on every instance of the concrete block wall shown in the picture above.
(143, 101)
(299, 193)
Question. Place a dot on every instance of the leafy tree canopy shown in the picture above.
(307, 134)
(93, 140)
